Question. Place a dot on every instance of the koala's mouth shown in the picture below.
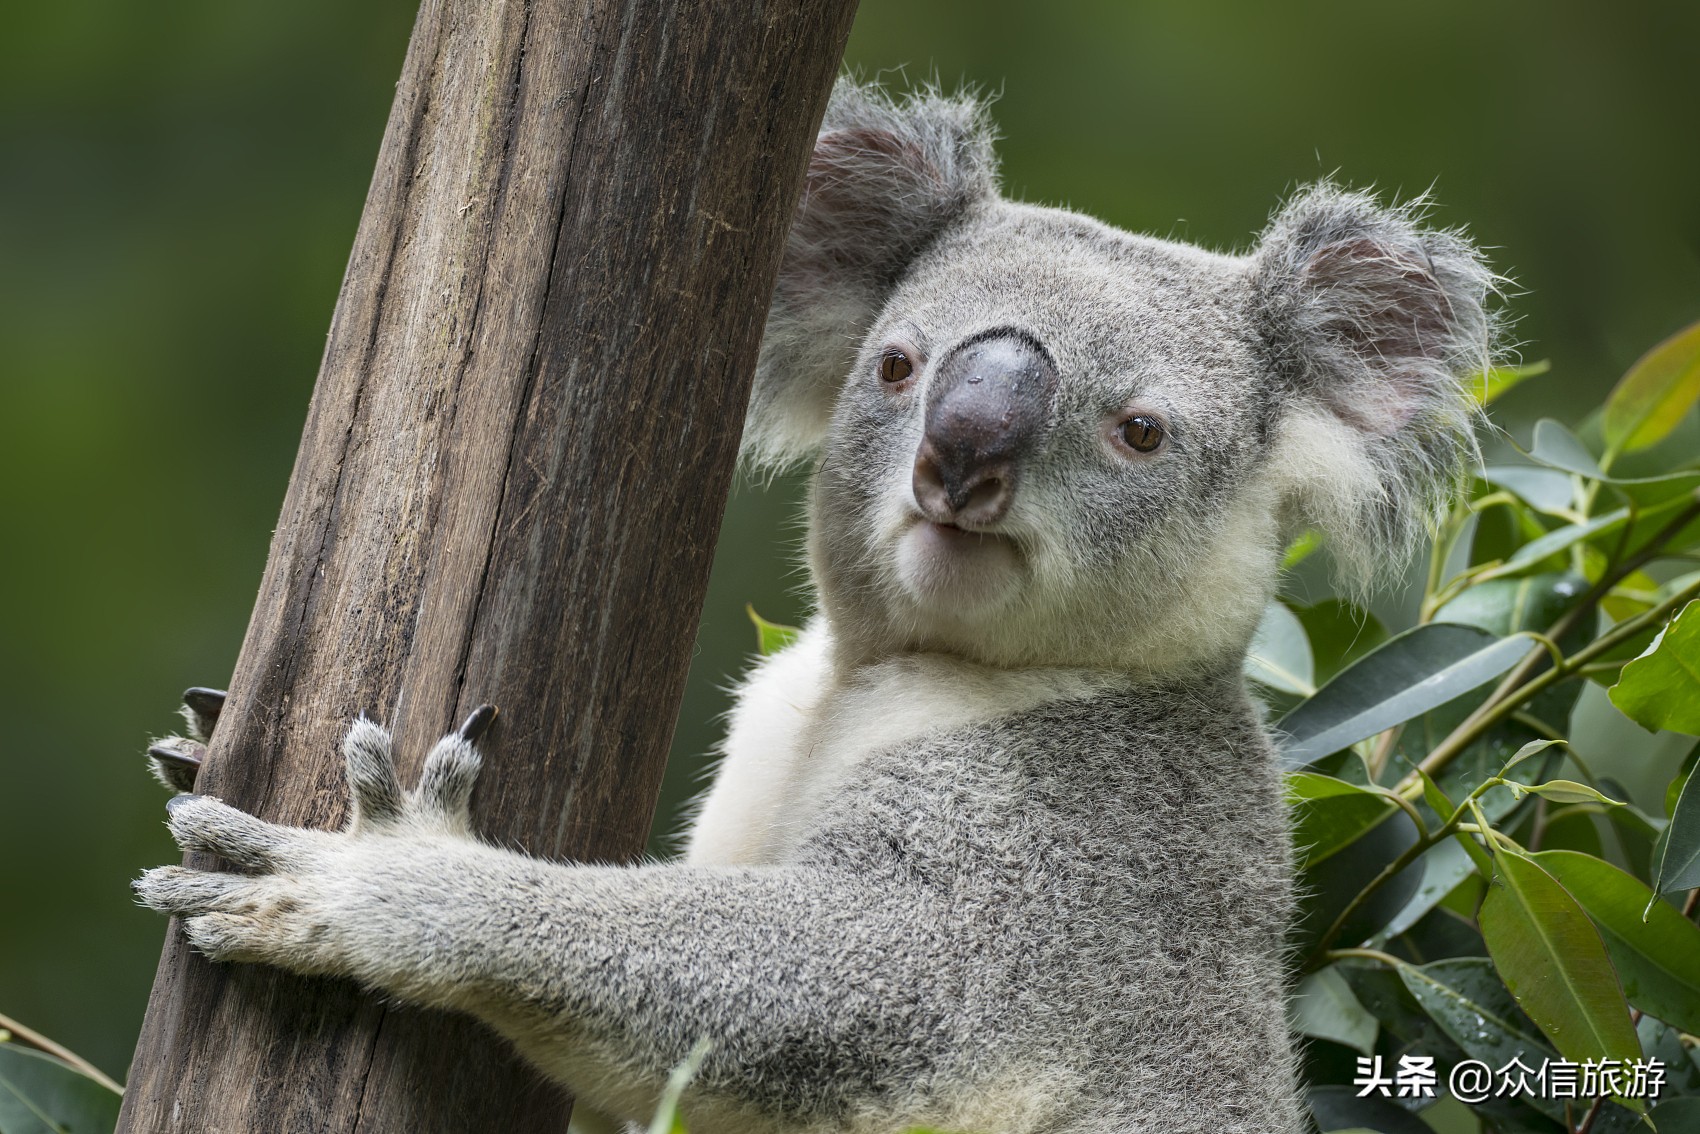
(950, 567)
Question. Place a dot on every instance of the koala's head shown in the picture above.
(1041, 440)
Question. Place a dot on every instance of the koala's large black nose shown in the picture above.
(987, 401)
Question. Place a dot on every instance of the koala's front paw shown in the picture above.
(314, 901)
(176, 760)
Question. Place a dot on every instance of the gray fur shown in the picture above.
(1063, 913)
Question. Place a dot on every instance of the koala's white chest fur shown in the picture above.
(799, 727)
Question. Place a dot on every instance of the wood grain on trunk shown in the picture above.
(508, 490)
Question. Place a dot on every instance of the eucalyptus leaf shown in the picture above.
(1300, 549)
(1555, 446)
(42, 1095)
(1325, 1008)
(1445, 865)
(1551, 491)
(1486, 385)
(1651, 399)
(1553, 961)
(1340, 633)
(771, 637)
(1559, 539)
(1364, 842)
(1530, 602)
(1465, 997)
(1280, 654)
(1339, 1110)
(1678, 867)
(1658, 958)
(1407, 676)
(1533, 748)
(1661, 688)
(666, 1119)
(1329, 814)
(1673, 791)
(1677, 1116)
(1505, 606)
(1565, 791)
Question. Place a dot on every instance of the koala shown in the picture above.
(998, 843)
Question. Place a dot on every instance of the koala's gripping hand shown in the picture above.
(604, 976)
(304, 899)
(176, 760)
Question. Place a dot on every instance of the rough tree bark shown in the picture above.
(508, 490)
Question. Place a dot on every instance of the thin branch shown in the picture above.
(1508, 699)
(41, 1043)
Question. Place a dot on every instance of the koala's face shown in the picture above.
(1044, 441)
(1048, 423)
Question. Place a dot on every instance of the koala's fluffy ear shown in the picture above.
(1373, 323)
(886, 177)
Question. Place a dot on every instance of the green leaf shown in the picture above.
(1555, 446)
(42, 1095)
(1445, 865)
(1436, 799)
(1465, 997)
(1407, 676)
(1329, 814)
(1505, 606)
(1339, 1110)
(771, 637)
(1557, 540)
(1564, 791)
(1486, 385)
(1678, 867)
(1650, 400)
(1340, 633)
(1300, 549)
(1659, 958)
(1553, 961)
(1325, 1008)
(1543, 489)
(1676, 1116)
(1280, 653)
(666, 1119)
(1661, 688)
(1533, 748)
(1678, 782)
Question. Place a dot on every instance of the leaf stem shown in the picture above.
(41, 1043)
(1509, 697)
(1425, 842)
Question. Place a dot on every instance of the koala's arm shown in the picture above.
(792, 969)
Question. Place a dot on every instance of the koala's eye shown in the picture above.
(895, 367)
(1142, 433)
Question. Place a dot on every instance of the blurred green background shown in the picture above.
(179, 186)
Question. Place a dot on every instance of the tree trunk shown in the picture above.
(508, 490)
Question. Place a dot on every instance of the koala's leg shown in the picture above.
(176, 760)
(826, 991)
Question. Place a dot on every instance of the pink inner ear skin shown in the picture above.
(1380, 412)
(1385, 307)
(846, 154)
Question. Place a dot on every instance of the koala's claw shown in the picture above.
(476, 725)
(176, 762)
(201, 707)
(290, 877)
